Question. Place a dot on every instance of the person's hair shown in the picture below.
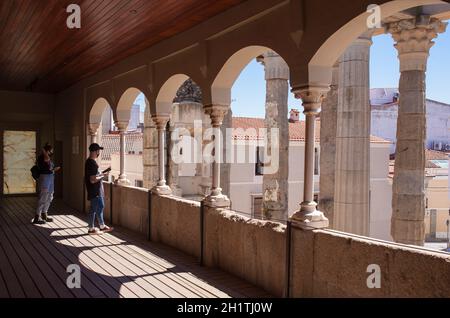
(48, 147)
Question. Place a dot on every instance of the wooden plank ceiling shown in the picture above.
(39, 53)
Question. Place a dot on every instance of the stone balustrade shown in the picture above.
(321, 263)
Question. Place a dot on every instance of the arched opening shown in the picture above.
(100, 126)
(255, 83)
(131, 112)
(181, 99)
(362, 188)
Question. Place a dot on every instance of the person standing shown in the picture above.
(46, 184)
(94, 186)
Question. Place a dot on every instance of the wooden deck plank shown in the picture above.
(100, 289)
(54, 270)
(36, 266)
(92, 270)
(221, 279)
(21, 271)
(123, 262)
(120, 252)
(11, 281)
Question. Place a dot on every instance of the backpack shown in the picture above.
(35, 172)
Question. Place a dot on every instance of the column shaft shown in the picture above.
(413, 41)
(352, 182)
(276, 171)
(328, 123)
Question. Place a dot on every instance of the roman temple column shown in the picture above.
(352, 183)
(328, 121)
(276, 173)
(413, 39)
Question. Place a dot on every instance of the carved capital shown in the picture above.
(414, 38)
(216, 113)
(93, 129)
(161, 120)
(121, 125)
(312, 98)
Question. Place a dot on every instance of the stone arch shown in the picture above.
(96, 112)
(123, 110)
(230, 71)
(321, 64)
(166, 94)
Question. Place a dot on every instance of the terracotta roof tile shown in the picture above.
(296, 130)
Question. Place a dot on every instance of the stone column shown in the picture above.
(352, 184)
(93, 132)
(309, 218)
(203, 168)
(216, 198)
(172, 165)
(226, 167)
(328, 123)
(275, 185)
(161, 187)
(122, 126)
(413, 41)
(150, 155)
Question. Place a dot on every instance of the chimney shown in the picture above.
(294, 116)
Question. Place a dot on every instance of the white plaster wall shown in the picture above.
(244, 183)
(380, 193)
(384, 123)
(134, 167)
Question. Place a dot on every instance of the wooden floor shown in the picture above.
(34, 260)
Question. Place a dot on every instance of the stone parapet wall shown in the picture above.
(323, 263)
(328, 263)
(251, 249)
(176, 222)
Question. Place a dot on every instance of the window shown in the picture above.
(316, 161)
(259, 161)
(316, 198)
(139, 183)
(257, 207)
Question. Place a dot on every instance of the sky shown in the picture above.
(248, 92)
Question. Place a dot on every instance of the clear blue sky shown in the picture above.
(248, 93)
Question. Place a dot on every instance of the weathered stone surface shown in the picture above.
(130, 208)
(176, 222)
(353, 140)
(404, 271)
(328, 123)
(251, 249)
(275, 185)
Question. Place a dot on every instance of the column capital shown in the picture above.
(312, 97)
(161, 120)
(414, 38)
(216, 113)
(93, 129)
(121, 125)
